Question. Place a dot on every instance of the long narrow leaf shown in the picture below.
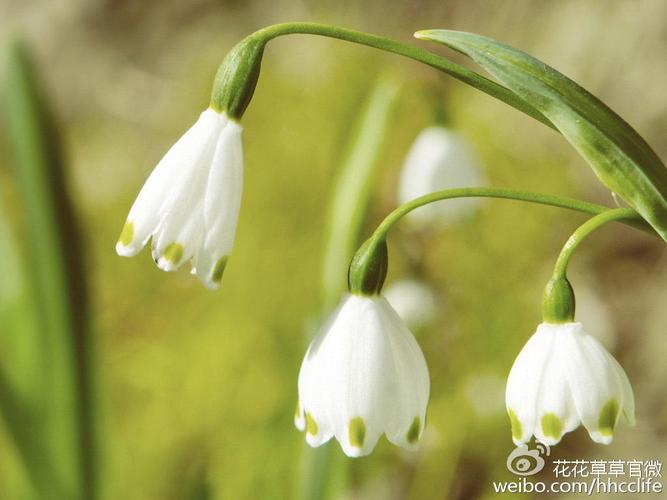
(57, 287)
(350, 198)
(618, 155)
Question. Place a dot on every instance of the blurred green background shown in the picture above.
(196, 390)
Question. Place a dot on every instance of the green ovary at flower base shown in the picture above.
(564, 377)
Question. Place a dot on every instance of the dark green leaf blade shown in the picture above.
(618, 155)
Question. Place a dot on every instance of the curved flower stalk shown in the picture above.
(439, 159)
(363, 375)
(563, 377)
(190, 203)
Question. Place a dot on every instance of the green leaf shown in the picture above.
(53, 264)
(351, 195)
(618, 155)
(19, 342)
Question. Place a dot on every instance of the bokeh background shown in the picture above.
(196, 390)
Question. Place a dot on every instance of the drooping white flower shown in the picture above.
(190, 203)
(413, 300)
(363, 375)
(563, 377)
(439, 159)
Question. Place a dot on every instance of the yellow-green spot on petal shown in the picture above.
(608, 417)
(218, 270)
(413, 432)
(173, 253)
(311, 425)
(552, 426)
(297, 411)
(127, 234)
(517, 430)
(357, 431)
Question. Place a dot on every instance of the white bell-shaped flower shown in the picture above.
(563, 377)
(190, 203)
(439, 159)
(363, 375)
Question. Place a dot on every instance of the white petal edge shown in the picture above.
(524, 381)
(145, 213)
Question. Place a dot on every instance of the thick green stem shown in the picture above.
(382, 43)
(625, 215)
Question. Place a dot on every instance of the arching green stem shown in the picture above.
(626, 215)
(366, 275)
(253, 47)
(504, 193)
(558, 300)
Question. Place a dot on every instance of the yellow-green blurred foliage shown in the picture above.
(198, 388)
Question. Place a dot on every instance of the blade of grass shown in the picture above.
(349, 202)
(57, 285)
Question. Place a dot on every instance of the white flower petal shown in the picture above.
(524, 381)
(412, 384)
(145, 214)
(364, 375)
(222, 203)
(316, 415)
(579, 382)
(179, 241)
(555, 411)
(595, 387)
(299, 418)
(182, 213)
(190, 203)
(628, 397)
